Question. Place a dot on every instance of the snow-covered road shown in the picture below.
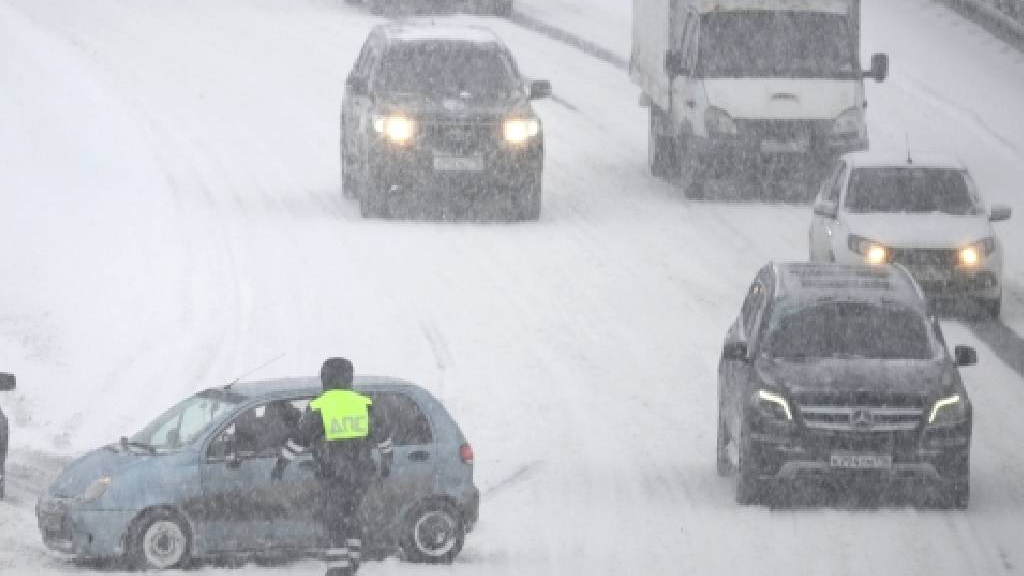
(169, 173)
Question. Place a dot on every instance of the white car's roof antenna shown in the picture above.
(910, 158)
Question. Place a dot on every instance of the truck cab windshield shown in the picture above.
(448, 70)
(776, 45)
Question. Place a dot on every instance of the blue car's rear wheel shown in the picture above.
(434, 534)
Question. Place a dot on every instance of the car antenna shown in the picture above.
(256, 369)
(910, 158)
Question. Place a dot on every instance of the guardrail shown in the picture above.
(1004, 18)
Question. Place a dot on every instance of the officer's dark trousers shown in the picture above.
(341, 500)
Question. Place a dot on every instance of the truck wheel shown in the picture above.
(750, 489)
(160, 540)
(434, 534)
(724, 464)
(662, 157)
(526, 203)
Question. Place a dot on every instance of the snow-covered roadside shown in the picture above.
(611, 309)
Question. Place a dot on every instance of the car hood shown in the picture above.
(920, 230)
(107, 461)
(927, 378)
(456, 108)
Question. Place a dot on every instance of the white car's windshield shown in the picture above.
(919, 190)
(183, 423)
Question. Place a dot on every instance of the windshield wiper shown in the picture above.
(126, 444)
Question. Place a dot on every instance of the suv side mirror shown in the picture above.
(7, 382)
(357, 85)
(540, 89)
(735, 351)
(879, 67)
(1000, 213)
(826, 210)
(965, 356)
(674, 64)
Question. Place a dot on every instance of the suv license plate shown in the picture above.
(873, 461)
(443, 163)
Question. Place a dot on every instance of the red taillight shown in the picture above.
(466, 453)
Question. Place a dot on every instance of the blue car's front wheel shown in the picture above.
(160, 540)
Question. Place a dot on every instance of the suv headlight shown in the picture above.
(773, 405)
(948, 410)
(970, 256)
(396, 128)
(718, 121)
(873, 252)
(519, 130)
(849, 123)
(96, 489)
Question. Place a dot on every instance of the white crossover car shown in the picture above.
(923, 212)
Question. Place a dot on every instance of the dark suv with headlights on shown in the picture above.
(7, 383)
(436, 120)
(837, 373)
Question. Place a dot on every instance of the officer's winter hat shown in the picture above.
(336, 373)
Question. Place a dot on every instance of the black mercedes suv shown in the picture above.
(837, 373)
(437, 120)
(7, 383)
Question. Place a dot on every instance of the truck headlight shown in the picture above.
(873, 252)
(949, 410)
(96, 489)
(849, 123)
(774, 405)
(397, 129)
(970, 256)
(519, 130)
(718, 121)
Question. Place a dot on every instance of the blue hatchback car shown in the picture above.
(195, 482)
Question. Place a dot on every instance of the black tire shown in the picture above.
(724, 465)
(434, 534)
(993, 308)
(160, 540)
(959, 495)
(527, 203)
(750, 489)
(662, 155)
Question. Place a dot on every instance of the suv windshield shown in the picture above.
(920, 190)
(188, 419)
(448, 69)
(776, 44)
(850, 330)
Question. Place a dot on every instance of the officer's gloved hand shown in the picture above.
(278, 472)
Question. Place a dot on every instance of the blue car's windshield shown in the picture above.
(186, 421)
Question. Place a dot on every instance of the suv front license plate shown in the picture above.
(445, 163)
(860, 461)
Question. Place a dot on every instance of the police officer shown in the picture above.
(342, 427)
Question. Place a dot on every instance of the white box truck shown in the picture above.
(737, 85)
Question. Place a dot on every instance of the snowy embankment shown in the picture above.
(173, 172)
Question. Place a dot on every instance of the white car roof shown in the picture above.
(419, 32)
(824, 6)
(894, 159)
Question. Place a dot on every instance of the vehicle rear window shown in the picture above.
(408, 423)
(920, 190)
(448, 70)
(850, 330)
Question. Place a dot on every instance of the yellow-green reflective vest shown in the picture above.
(346, 414)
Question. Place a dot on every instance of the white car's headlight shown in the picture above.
(97, 488)
(718, 121)
(949, 410)
(519, 130)
(849, 123)
(397, 129)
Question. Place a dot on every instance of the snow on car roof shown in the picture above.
(419, 32)
(896, 158)
(861, 282)
(827, 6)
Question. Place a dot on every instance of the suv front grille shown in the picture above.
(922, 257)
(860, 411)
(459, 137)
